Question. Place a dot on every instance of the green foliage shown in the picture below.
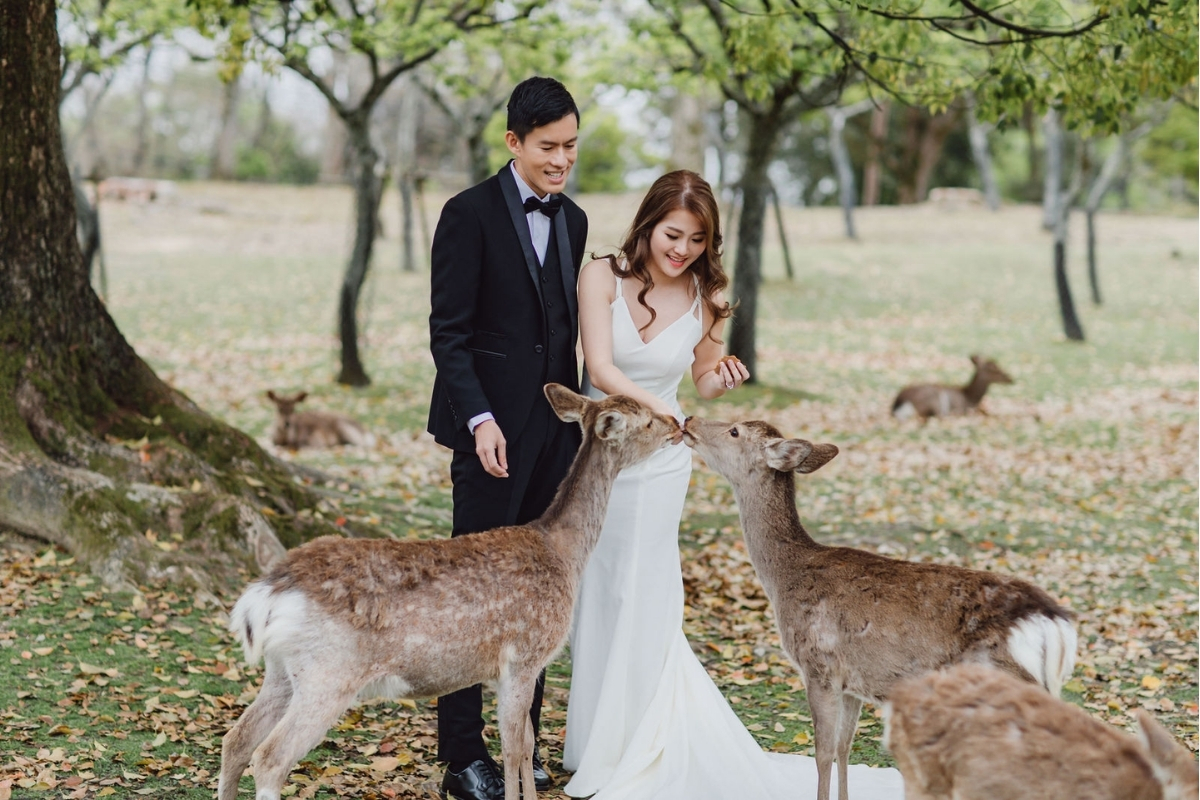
(276, 157)
(98, 35)
(1170, 150)
(606, 154)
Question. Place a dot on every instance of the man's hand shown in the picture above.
(491, 448)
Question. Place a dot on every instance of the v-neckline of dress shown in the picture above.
(691, 312)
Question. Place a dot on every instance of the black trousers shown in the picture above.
(537, 463)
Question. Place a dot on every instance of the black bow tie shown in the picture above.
(549, 207)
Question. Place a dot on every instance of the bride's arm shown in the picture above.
(597, 291)
(711, 382)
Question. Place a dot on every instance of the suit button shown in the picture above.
(545, 279)
(549, 304)
(538, 348)
(553, 332)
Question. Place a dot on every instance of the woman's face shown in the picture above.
(676, 241)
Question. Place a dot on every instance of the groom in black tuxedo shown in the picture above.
(506, 255)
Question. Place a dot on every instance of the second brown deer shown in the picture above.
(295, 429)
(927, 400)
(973, 733)
(856, 622)
(338, 618)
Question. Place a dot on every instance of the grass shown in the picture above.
(1083, 477)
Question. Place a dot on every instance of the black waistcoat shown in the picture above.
(559, 338)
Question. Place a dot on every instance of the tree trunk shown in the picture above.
(924, 137)
(764, 133)
(1052, 179)
(841, 158)
(224, 159)
(406, 168)
(687, 134)
(1061, 218)
(783, 242)
(978, 133)
(142, 146)
(97, 455)
(871, 169)
(478, 153)
(366, 214)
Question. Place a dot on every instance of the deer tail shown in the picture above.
(1044, 646)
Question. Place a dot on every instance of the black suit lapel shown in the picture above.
(512, 199)
(566, 262)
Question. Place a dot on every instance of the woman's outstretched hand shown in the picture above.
(731, 372)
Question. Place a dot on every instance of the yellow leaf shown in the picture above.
(1148, 681)
(801, 738)
(106, 791)
(1074, 685)
(43, 651)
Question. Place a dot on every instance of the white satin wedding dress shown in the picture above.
(644, 720)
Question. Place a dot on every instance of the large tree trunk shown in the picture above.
(977, 132)
(224, 159)
(366, 214)
(924, 139)
(871, 169)
(1061, 217)
(764, 133)
(97, 455)
(1052, 179)
(687, 134)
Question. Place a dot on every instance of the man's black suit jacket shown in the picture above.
(487, 328)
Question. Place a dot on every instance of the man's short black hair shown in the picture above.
(536, 102)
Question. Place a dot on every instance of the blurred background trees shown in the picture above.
(753, 94)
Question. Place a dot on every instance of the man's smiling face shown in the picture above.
(546, 156)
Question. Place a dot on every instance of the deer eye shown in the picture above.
(733, 432)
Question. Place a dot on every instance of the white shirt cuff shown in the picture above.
(476, 420)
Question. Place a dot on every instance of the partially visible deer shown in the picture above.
(339, 618)
(856, 622)
(927, 400)
(313, 428)
(973, 733)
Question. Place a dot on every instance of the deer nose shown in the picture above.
(686, 421)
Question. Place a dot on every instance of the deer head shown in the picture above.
(989, 370)
(740, 449)
(617, 421)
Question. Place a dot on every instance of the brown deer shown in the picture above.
(856, 622)
(927, 400)
(973, 733)
(313, 428)
(338, 618)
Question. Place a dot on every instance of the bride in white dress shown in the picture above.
(644, 720)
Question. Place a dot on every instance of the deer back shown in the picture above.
(973, 733)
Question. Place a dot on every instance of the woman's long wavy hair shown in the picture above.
(685, 190)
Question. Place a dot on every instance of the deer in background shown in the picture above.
(927, 400)
(855, 622)
(973, 733)
(339, 618)
(313, 428)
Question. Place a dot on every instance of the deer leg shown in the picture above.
(826, 706)
(256, 722)
(313, 710)
(851, 706)
(514, 696)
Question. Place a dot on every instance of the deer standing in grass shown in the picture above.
(927, 400)
(313, 428)
(855, 622)
(343, 618)
(972, 733)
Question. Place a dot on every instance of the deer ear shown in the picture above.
(272, 396)
(566, 404)
(785, 455)
(821, 455)
(300, 397)
(977, 360)
(609, 424)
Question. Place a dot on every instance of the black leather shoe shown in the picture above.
(541, 778)
(479, 780)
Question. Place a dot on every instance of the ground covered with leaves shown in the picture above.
(1082, 477)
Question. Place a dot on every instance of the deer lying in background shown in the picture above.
(927, 400)
(972, 733)
(340, 618)
(856, 622)
(313, 428)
